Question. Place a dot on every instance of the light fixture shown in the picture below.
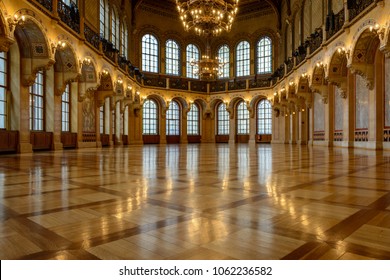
(119, 81)
(304, 75)
(105, 72)
(208, 68)
(320, 64)
(87, 61)
(129, 87)
(61, 44)
(377, 30)
(16, 20)
(207, 17)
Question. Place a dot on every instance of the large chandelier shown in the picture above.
(207, 17)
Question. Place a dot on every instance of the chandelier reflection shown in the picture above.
(207, 17)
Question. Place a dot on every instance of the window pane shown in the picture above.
(192, 54)
(243, 59)
(264, 117)
(222, 120)
(172, 58)
(224, 57)
(264, 56)
(149, 117)
(149, 53)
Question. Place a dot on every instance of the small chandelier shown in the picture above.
(207, 17)
(208, 68)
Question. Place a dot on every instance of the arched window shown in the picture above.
(149, 53)
(264, 117)
(193, 120)
(243, 59)
(37, 103)
(264, 56)
(124, 39)
(242, 119)
(115, 38)
(104, 19)
(192, 53)
(65, 109)
(3, 90)
(150, 117)
(172, 58)
(222, 120)
(173, 119)
(223, 54)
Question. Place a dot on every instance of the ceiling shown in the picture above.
(245, 7)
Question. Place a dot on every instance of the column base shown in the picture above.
(58, 146)
(25, 148)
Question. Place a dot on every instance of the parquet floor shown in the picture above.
(203, 201)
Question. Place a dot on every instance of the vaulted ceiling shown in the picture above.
(245, 7)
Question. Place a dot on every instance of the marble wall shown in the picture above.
(387, 92)
(338, 110)
(319, 113)
(361, 103)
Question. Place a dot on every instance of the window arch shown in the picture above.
(149, 53)
(104, 19)
(150, 117)
(222, 120)
(115, 37)
(242, 119)
(173, 119)
(3, 90)
(243, 59)
(124, 39)
(65, 109)
(192, 53)
(224, 56)
(172, 58)
(264, 117)
(37, 103)
(264, 55)
(193, 120)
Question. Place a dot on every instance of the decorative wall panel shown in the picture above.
(89, 113)
(361, 103)
(319, 113)
(387, 93)
(338, 111)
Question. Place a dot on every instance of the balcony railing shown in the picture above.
(91, 37)
(315, 40)
(358, 6)
(69, 15)
(47, 4)
(334, 23)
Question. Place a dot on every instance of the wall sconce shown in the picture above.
(304, 75)
(137, 93)
(320, 64)
(16, 20)
(291, 84)
(303, 110)
(342, 51)
(61, 44)
(190, 101)
(275, 93)
(119, 81)
(129, 87)
(378, 30)
(104, 72)
(87, 61)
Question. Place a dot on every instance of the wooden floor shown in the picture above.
(203, 201)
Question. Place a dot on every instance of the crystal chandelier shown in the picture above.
(207, 17)
(208, 68)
